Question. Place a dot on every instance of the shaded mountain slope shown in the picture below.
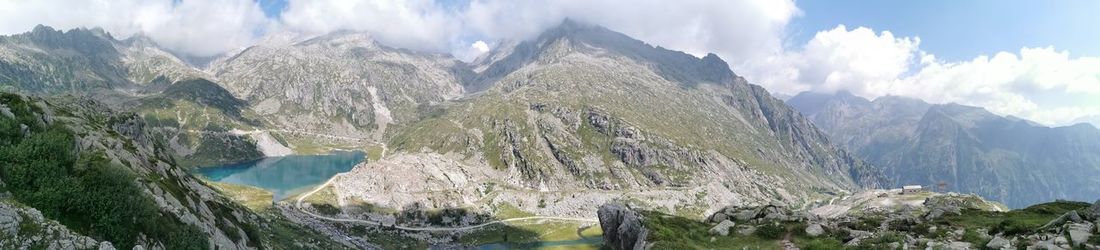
(98, 173)
(965, 149)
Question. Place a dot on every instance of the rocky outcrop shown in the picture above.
(1093, 212)
(120, 143)
(815, 230)
(723, 228)
(884, 219)
(25, 228)
(622, 227)
(343, 83)
(770, 213)
(999, 242)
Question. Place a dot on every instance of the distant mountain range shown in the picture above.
(1094, 120)
(962, 148)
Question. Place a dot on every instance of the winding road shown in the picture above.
(301, 198)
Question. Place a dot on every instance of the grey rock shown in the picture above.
(858, 233)
(719, 217)
(745, 215)
(854, 241)
(934, 214)
(5, 111)
(999, 242)
(957, 245)
(24, 130)
(1061, 241)
(1068, 217)
(622, 227)
(9, 222)
(1092, 212)
(723, 228)
(814, 229)
(746, 230)
(1079, 232)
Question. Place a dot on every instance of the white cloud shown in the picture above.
(413, 24)
(471, 52)
(205, 27)
(857, 60)
(1039, 84)
(480, 46)
(738, 30)
(198, 27)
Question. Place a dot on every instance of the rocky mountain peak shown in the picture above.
(343, 39)
(967, 116)
(141, 40)
(811, 103)
(83, 40)
(578, 37)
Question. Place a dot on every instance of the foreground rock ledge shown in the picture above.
(622, 227)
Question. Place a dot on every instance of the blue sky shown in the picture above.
(272, 8)
(961, 30)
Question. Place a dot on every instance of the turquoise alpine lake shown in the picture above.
(285, 175)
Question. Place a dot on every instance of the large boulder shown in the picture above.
(719, 217)
(1079, 232)
(1070, 216)
(723, 228)
(745, 215)
(957, 245)
(1093, 212)
(999, 242)
(622, 227)
(815, 230)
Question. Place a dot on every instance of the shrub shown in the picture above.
(972, 236)
(326, 209)
(770, 231)
(822, 244)
(1014, 226)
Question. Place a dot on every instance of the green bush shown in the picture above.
(972, 236)
(326, 209)
(770, 231)
(1012, 226)
(822, 244)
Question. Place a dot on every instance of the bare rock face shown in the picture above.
(1093, 212)
(917, 142)
(25, 228)
(622, 227)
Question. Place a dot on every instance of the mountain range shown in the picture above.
(961, 148)
(552, 125)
